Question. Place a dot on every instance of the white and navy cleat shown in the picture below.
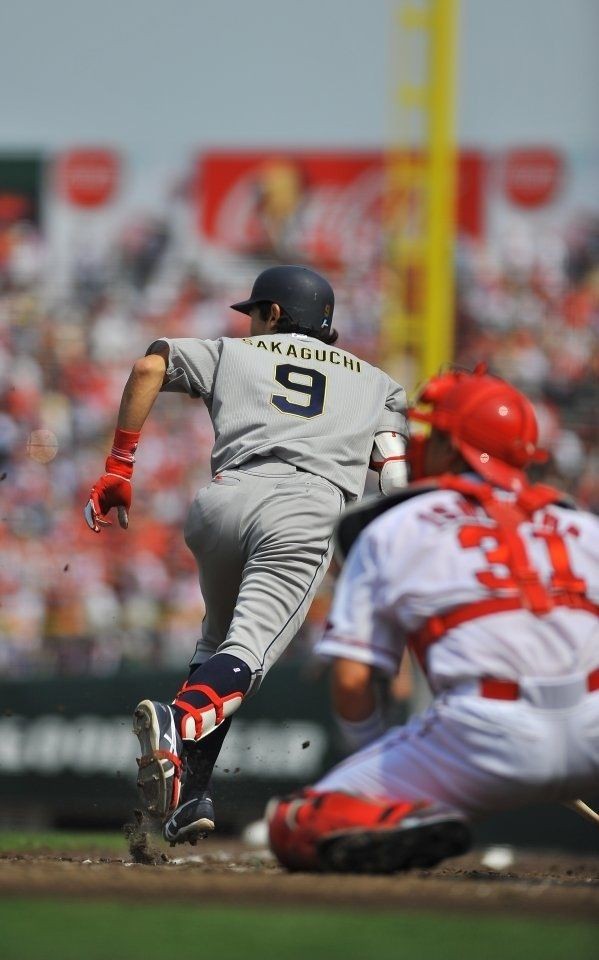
(159, 774)
(190, 822)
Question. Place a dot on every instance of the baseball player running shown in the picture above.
(494, 583)
(297, 422)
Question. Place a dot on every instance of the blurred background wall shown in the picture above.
(152, 161)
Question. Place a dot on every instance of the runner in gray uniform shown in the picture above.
(297, 422)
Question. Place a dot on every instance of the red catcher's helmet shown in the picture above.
(489, 422)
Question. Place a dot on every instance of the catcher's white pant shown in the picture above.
(261, 536)
(478, 755)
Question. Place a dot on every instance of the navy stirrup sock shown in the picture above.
(200, 758)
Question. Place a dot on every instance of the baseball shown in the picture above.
(498, 858)
(42, 446)
(256, 834)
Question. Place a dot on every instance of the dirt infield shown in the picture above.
(532, 884)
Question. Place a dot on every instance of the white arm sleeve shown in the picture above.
(388, 458)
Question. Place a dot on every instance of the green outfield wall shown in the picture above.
(67, 755)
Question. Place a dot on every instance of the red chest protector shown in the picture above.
(521, 587)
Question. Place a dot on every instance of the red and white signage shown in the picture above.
(89, 177)
(532, 177)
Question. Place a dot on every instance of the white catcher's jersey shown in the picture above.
(290, 396)
(418, 560)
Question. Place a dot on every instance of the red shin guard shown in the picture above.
(297, 824)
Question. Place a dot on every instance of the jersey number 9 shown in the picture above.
(309, 384)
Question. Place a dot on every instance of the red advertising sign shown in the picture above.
(532, 177)
(89, 177)
(324, 207)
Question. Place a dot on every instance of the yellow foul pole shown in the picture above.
(439, 318)
(418, 321)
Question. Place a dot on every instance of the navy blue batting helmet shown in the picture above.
(303, 295)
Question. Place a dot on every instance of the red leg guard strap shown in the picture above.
(209, 692)
(197, 714)
(215, 703)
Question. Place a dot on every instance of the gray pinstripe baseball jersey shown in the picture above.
(289, 396)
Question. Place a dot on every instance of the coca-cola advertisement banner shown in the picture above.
(325, 206)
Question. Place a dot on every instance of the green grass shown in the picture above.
(36, 929)
(60, 841)
(57, 929)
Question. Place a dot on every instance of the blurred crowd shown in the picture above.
(72, 601)
(531, 311)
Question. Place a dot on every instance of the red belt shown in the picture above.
(495, 689)
(435, 627)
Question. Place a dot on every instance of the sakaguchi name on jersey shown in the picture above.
(306, 353)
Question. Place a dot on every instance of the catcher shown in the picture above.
(297, 423)
(494, 583)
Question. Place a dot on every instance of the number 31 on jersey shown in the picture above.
(305, 391)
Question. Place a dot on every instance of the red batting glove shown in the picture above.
(113, 489)
(109, 491)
